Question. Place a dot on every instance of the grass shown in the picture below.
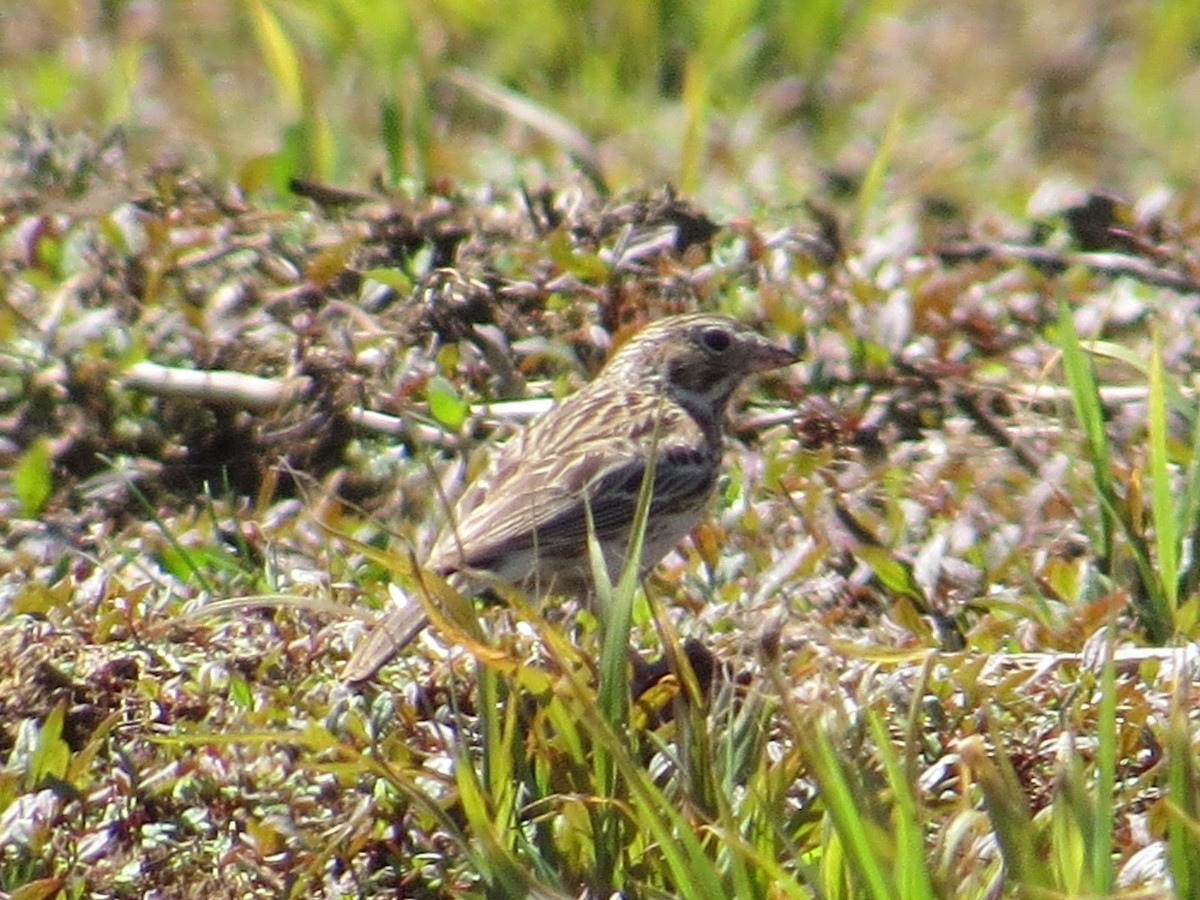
(950, 573)
(845, 754)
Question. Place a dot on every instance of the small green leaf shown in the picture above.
(392, 277)
(239, 692)
(51, 756)
(32, 478)
(446, 405)
(894, 574)
(585, 266)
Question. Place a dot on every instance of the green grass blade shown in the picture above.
(500, 867)
(873, 181)
(913, 881)
(1162, 496)
(1101, 843)
(1188, 524)
(693, 872)
(868, 866)
(1085, 397)
(281, 59)
(1149, 601)
(1071, 826)
(642, 815)
(1183, 826)
(618, 615)
(1008, 811)
(181, 553)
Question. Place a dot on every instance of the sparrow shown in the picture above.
(663, 396)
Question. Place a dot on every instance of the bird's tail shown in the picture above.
(398, 628)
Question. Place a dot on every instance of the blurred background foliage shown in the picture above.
(741, 103)
(750, 108)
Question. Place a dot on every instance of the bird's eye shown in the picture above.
(715, 339)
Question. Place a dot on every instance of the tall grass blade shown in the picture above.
(1149, 602)
(616, 614)
(1188, 524)
(723, 25)
(1085, 398)
(499, 867)
(1183, 827)
(1162, 497)
(1071, 825)
(661, 819)
(1008, 811)
(1101, 842)
(391, 132)
(555, 127)
(911, 871)
(851, 824)
(282, 60)
(873, 181)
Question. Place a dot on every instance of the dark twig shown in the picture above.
(1113, 265)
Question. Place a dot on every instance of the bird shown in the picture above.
(661, 397)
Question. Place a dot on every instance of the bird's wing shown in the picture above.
(529, 499)
(539, 502)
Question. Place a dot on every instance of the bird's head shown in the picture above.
(700, 359)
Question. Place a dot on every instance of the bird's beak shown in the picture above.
(765, 356)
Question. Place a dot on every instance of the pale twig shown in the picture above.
(216, 386)
(222, 387)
